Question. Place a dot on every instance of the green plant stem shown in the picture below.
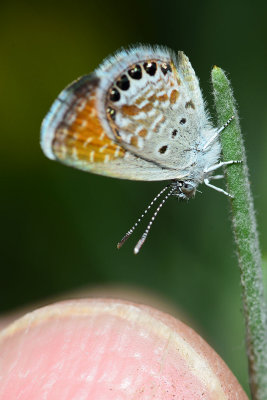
(246, 236)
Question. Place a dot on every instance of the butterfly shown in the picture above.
(139, 116)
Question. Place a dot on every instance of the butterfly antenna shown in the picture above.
(218, 132)
(128, 234)
(144, 236)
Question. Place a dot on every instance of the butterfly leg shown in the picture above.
(213, 168)
(217, 133)
(216, 177)
(221, 164)
(207, 183)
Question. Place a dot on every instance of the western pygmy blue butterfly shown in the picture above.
(139, 116)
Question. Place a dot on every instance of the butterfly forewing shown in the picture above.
(145, 113)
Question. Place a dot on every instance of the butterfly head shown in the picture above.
(184, 189)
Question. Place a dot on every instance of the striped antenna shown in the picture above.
(144, 236)
(128, 234)
(217, 133)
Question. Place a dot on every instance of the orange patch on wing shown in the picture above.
(174, 96)
(147, 107)
(164, 97)
(152, 98)
(134, 110)
(143, 133)
(85, 135)
(134, 141)
(130, 110)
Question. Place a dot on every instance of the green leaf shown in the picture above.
(246, 236)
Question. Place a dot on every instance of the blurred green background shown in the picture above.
(60, 226)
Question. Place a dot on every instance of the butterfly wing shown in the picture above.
(136, 118)
(73, 134)
(158, 109)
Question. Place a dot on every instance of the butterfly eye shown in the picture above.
(188, 189)
(123, 83)
(183, 121)
(135, 72)
(114, 95)
(150, 68)
(165, 68)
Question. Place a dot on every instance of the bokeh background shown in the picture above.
(60, 226)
